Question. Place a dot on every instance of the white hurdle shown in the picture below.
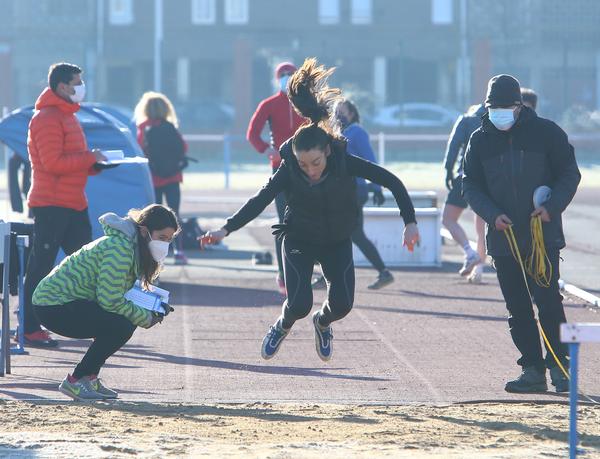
(574, 335)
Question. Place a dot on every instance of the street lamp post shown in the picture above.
(158, 37)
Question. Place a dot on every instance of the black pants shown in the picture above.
(522, 323)
(338, 268)
(53, 228)
(83, 319)
(280, 206)
(360, 238)
(172, 194)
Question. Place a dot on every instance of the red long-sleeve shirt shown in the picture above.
(283, 122)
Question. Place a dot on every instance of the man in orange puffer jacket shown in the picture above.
(60, 163)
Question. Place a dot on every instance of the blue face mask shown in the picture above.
(283, 81)
(502, 118)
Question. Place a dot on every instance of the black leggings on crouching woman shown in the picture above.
(338, 268)
(87, 319)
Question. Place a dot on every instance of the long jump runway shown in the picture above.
(428, 338)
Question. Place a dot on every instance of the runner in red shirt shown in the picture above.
(283, 123)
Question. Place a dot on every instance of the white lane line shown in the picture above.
(569, 288)
(432, 390)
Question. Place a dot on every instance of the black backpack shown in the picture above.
(164, 148)
(190, 232)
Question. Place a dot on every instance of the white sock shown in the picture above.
(469, 252)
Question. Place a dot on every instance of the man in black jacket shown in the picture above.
(513, 153)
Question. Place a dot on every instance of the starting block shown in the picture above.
(574, 335)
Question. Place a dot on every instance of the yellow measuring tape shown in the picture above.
(538, 266)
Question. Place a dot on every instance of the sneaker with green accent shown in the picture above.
(384, 278)
(101, 388)
(80, 390)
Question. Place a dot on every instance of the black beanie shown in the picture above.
(503, 91)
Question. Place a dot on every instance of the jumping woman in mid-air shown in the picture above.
(318, 177)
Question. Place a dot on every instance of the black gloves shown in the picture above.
(378, 198)
(279, 230)
(167, 308)
(156, 319)
(102, 166)
(449, 179)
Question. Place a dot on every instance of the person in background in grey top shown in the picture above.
(454, 206)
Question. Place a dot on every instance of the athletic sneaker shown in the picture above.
(384, 278)
(476, 276)
(97, 385)
(40, 338)
(559, 380)
(80, 390)
(181, 259)
(323, 338)
(319, 283)
(272, 340)
(530, 380)
(471, 260)
(281, 284)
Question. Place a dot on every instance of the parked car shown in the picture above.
(414, 115)
(204, 114)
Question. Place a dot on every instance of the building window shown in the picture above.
(120, 12)
(236, 11)
(361, 11)
(441, 12)
(329, 11)
(203, 11)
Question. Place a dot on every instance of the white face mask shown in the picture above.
(79, 93)
(502, 118)
(158, 249)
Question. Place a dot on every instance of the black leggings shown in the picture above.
(338, 268)
(362, 242)
(172, 194)
(87, 319)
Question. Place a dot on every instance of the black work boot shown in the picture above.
(559, 380)
(530, 380)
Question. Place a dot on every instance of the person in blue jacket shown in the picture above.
(359, 145)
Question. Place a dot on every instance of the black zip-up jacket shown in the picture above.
(326, 211)
(503, 168)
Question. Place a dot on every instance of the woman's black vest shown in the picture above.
(326, 211)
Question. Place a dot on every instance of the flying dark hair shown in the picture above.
(61, 72)
(529, 95)
(154, 217)
(313, 99)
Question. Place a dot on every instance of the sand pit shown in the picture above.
(266, 430)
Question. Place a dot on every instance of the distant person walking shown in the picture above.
(84, 297)
(61, 163)
(359, 145)
(163, 144)
(455, 204)
(318, 177)
(283, 121)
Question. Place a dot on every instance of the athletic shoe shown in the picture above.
(530, 380)
(281, 284)
(323, 339)
(97, 385)
(40, 338)
(181, 259)
(80, 390)
(384, 278)
(471, 260)
(559, 380)
(319, 283)
(476, 276)
(272, 340)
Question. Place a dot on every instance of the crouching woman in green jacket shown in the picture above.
(83, 297)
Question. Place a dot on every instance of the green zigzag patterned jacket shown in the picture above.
(101, 271)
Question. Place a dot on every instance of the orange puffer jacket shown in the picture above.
(60, 159)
